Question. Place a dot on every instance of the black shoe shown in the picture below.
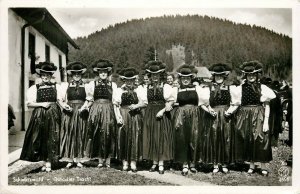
(193, 170)
(184, 173)
(153, 168)
(134, 170)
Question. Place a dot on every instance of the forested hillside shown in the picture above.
(206, 40)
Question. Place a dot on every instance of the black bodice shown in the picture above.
(251, 94)
(74, 93)
(46, 94)
(129, 98)
(103, 91)
(219, 97)
(155, 96)
(189, 96)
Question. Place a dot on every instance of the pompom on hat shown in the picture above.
(219, 69)
(76, 67)
(155, 67)
(186, 70)
(251, 67)
(101, 65)
(45, 67)
(128, 73)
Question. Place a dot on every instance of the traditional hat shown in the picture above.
(76, 67)
(45, 67)
(102, 64)
(266, 80)
(219, 69)
(128, 73)
(251, 67)
(155, 67)
(187, 70)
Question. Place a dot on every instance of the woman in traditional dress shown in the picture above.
(129, 100)
(101, 126)
(187, 119)
(158, 144)
(217, 136)
(73, 129)
(252, 134)
(41, 141)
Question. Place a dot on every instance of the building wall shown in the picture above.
(15, 24)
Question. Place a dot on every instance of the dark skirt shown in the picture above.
(129, 135)
(187, 128)
(73, 133)
(158, 137)
(41, 141)
(251, 143)
(101, 127)
(217, 137)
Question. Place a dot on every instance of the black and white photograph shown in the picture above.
(161, 96)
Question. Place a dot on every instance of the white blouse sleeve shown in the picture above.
(235, 94)
(175, 93)
(203, 95)
(168, 93)
(31, 94)
(59, 92)
(114, 92)
(90, 87)
(267, 93)
(117, 100)
(63, 90)
(142, 94)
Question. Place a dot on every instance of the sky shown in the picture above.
(84, 21)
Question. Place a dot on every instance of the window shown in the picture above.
(31, 45)
(61, 69)
(47, 53)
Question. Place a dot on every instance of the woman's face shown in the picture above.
(176, 83)
(129, 82)
(186, 80)
(76, 76)
(155, 77)
(46, 77)
(170, 80)
(146, 80)
(219, 79)
(251, 77)
(103, 74)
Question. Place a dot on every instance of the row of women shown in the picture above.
(217, 124)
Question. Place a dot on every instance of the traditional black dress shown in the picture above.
(73, 129)
(217, 147)
(187, 122)
(41, 141)
(251, 143)
(101, 126)
(158, 142)
(130, 134)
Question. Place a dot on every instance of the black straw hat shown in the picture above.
(251, 67)
(101, 65)
(128, 73)
(155, 67)
(76, 67)
(45, 67)
(219, 69)
(187, 70)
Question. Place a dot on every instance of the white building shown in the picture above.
(33, 33)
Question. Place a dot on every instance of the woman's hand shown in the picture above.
(227, 113)
(45, 104)
(160, 114)
(212, 112)
(83, 108)
(133, 107)
(119, 120)
(168, 107)
(67, 107)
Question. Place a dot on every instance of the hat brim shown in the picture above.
(82, 71)
(185, 75)
(133, 77)
(39, 71)
(255, 71)
(220, 73)
(159, 71)
(96, 69)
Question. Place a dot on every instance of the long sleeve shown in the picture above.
(203, 95)
(117, 100)
(142, 94)
(90, 87)
(31, 94)
(114, 88)
(236, 95)
(267, 94)
(63, 91)
(168, 93)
